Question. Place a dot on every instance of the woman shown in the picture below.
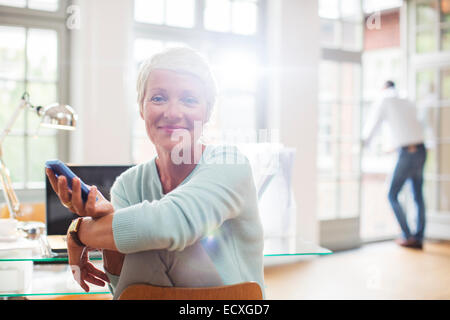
(187, 218)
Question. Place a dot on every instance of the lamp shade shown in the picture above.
(58, 116)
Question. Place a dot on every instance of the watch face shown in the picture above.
(73, 226)
(73, 231)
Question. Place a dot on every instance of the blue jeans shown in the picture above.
(409, 167)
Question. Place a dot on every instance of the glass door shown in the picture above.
(339, 173)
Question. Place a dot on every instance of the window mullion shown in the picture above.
(437, 26)
(165, 12)
(199, 16)
(439, 130)
(339, 146)
(230, 16)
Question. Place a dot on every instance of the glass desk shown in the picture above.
(27, 268)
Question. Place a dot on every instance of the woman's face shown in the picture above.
(173, 103)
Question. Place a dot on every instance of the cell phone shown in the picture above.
(60, 169)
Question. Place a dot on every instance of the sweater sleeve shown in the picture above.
(216, 192)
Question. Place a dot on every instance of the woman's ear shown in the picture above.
(141, 110)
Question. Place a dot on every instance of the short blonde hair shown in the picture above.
(182, 60)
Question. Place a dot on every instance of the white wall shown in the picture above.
(294, 52)
(100, 82)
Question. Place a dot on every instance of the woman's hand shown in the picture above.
(83, 271)
(96, 205)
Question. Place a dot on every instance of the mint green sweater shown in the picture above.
(216, 204)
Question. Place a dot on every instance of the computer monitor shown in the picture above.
(58, 218)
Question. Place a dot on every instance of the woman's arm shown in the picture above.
(98, 233)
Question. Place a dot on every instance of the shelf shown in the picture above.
(26, 250)
(51, 276)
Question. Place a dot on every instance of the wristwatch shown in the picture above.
(73, 231)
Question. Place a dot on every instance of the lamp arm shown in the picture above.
(22, 105)
(8, 190)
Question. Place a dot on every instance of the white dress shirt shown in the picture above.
(401, 118)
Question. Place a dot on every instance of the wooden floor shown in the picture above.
(375, 271)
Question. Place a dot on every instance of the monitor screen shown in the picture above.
(58, 217)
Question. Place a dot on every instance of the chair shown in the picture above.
(30, 212)
(240, 291)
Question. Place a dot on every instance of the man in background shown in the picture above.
(408, 138)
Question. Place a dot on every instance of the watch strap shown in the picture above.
(73, 231)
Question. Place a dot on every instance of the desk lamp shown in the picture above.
(56, 116)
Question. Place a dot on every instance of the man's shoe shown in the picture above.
(410, 243)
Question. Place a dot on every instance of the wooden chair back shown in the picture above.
(240, 291)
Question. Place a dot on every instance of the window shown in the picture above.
(432, 92)
(43, 5)
(228, 34)
(340, 24)
(339, 109)
(432, 25)
(338, 158)
(238, 16)
(31, 53)
(176, 13)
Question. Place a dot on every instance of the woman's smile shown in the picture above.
(171, 128)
